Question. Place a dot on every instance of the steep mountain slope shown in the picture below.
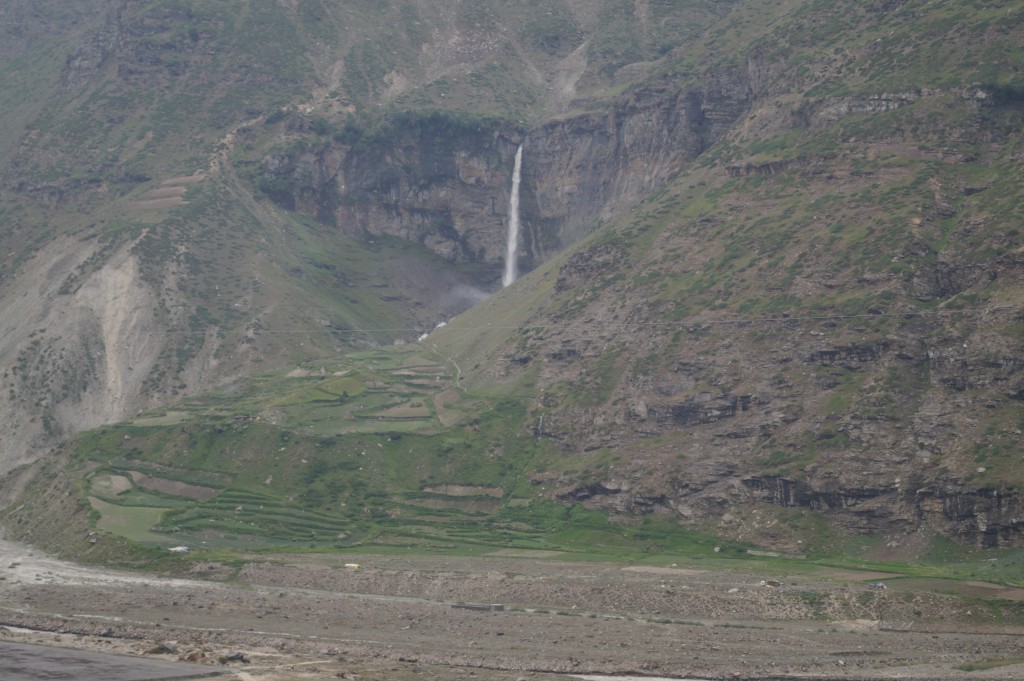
(141, 142)
(824, 313)
(797, 296)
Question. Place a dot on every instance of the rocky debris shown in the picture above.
(579, 618)
(768, 167)
(81, 66)
(235, 656)
(880, 431)
(702, 411)
(588, 266)
(162, 648)
(824, 112)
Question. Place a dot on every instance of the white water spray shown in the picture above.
(512, 245)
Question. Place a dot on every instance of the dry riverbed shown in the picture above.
(311, 617)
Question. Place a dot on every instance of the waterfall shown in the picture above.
(512, 245)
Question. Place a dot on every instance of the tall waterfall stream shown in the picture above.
(512, 244)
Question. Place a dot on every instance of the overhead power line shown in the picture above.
(692, 323)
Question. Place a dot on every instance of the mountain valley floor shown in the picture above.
(326, 616)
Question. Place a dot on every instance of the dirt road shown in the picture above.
(26, 662)
(311, 617)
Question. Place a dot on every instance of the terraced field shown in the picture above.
(286, 459)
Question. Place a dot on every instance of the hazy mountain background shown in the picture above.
(774, 288)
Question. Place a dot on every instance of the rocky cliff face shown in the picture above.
(594, 166)
(982, 516)
(432, 180)
(444, 181)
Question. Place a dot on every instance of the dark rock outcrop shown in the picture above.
(985, 516)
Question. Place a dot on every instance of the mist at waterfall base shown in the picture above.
(512, 243)
(465, 296)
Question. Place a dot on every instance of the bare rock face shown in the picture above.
(592, 166)
(86, 61)
(986, 516)
(436, 181)
(443, 180)
(79, 359)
